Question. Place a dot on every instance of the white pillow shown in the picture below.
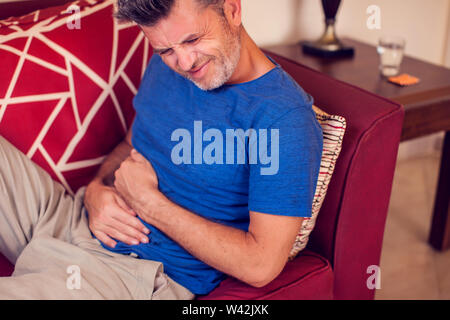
(333, 132)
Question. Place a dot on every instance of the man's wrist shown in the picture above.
(156, 205)
(95, 182)
(94, 185)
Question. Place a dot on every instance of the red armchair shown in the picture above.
(348, 235)
(349, 231)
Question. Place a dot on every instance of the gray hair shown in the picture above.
(150, 12)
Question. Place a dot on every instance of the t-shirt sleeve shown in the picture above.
(283, 181)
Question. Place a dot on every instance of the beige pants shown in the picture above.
(44, 232)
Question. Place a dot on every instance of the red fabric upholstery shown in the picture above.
(350, 227)
(6, 268)
(349, 230)
(90, 77)
(309, 276)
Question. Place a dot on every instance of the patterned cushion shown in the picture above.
(333, 132)
(66, 92)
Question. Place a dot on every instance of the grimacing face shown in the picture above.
(198, 44)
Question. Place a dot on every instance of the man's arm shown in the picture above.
(255, 257)
(105, 175)
(109, 215)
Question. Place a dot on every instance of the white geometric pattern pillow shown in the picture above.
(333, 133)
(66, 93)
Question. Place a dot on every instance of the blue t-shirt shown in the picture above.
(187, 135)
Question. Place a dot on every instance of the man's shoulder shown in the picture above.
(280, 97)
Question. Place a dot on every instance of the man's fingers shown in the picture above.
(112, 228)
(112, 219)
(126, 228)
(105, 239)
(132, 222)
(130, 226)
(120, 235)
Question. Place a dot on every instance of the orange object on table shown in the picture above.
(404, 80)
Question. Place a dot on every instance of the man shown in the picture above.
(190, 213)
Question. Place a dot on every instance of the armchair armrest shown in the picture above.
(350, 226)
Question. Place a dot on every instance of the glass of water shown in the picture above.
(391, 49)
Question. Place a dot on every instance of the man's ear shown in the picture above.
(233, 12)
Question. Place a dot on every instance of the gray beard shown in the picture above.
(227, 66)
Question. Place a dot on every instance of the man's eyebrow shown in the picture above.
(186, 39)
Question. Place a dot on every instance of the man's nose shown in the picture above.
(186, 59)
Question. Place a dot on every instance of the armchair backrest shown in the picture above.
(350, 226)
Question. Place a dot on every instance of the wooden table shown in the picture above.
(427, 108)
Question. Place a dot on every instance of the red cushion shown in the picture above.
(307, 277)
(6, 268)
(67, 101)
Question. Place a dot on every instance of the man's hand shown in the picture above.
(110, 216)
(255, 257)
(137, 183)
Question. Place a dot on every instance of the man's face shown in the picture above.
(198, 44)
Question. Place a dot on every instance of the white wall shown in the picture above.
(424, 24)
(447, 58)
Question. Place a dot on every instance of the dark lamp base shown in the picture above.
(313, 49)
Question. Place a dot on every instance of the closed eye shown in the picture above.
(192, 41)
(169, 51)
(164, 52)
